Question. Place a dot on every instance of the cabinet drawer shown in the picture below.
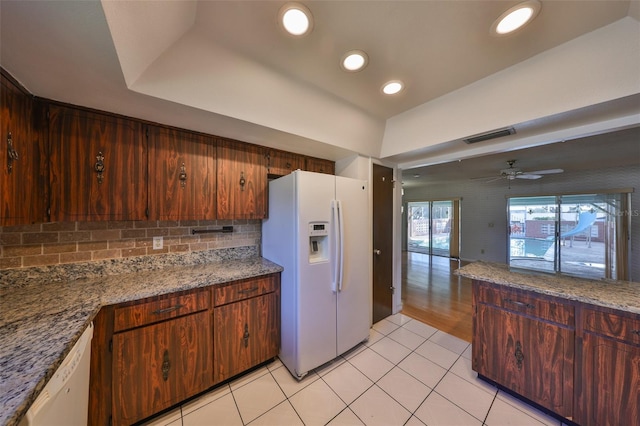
(243, 290)
(623, 327)
(527, 303)
(160, 309)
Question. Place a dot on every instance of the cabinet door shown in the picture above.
(282, 163)
(160, 365)
(22, 158)
(245, 334)
(182, 183)
(610, 382)
(532, 358)
(319, 165)
(242, 181)
(98, 166)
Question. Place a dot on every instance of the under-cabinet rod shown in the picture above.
(225, 229)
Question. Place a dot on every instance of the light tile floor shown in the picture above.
(408, 373)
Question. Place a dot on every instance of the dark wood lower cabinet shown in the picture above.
(531, 344)
(160, 365)
(531, 357)
(152, 354)
(610, 369)
(245, 334)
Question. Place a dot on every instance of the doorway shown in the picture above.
(432, 227)
(382, 242)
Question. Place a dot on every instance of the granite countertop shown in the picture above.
(623, 295)
(40, 322)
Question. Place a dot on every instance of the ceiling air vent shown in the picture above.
(490, 135)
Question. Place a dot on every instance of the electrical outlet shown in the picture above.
(158, 243)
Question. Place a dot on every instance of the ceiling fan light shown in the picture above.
(354, 60)
(296, 19)
(515, 18)
(392, 87)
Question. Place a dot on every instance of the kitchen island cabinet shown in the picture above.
(98, 166)
(567, 345)
(525, 343)
(610, 368)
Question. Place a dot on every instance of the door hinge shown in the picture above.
(110, 420)
(146, 132)
(146, 212)
(393, 289)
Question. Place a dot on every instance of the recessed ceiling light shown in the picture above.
(296, 19)
(392, 87)
(354, 60)
(516, 17)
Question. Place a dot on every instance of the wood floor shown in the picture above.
(432, 294)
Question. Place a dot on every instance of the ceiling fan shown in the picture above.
(512, 173)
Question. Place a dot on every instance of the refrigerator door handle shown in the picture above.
(341, 255)
(336, 247)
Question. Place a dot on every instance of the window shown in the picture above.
(583, 235)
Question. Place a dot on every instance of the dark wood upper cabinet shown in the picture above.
(319, 165)
(22, 157)
(242, 180)
(98, 166)
(182, 170)
(282, 163)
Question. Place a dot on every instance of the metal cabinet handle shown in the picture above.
(519, 355)
(183, 176)
(166, 310)
(243, 181)
(521, 304)
(12, 153)
(166, 365)
(245, 336)
(99, 167)
(377, 252)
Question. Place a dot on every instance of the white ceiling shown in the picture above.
(225, 67)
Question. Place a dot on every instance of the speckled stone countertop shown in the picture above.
(41, 318)
(623, 295)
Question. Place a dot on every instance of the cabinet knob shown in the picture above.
(243, 181)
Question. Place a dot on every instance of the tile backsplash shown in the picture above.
(72, 242)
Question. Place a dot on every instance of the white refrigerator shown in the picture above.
(318, 230)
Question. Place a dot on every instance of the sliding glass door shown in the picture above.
(581, 235)
(432, 227)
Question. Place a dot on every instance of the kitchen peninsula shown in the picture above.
(46, 309)
(568, 345)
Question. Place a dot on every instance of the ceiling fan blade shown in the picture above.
(529, 176)
(487, 179)
(545, 172)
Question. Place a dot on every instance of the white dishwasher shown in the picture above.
(64, 400)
